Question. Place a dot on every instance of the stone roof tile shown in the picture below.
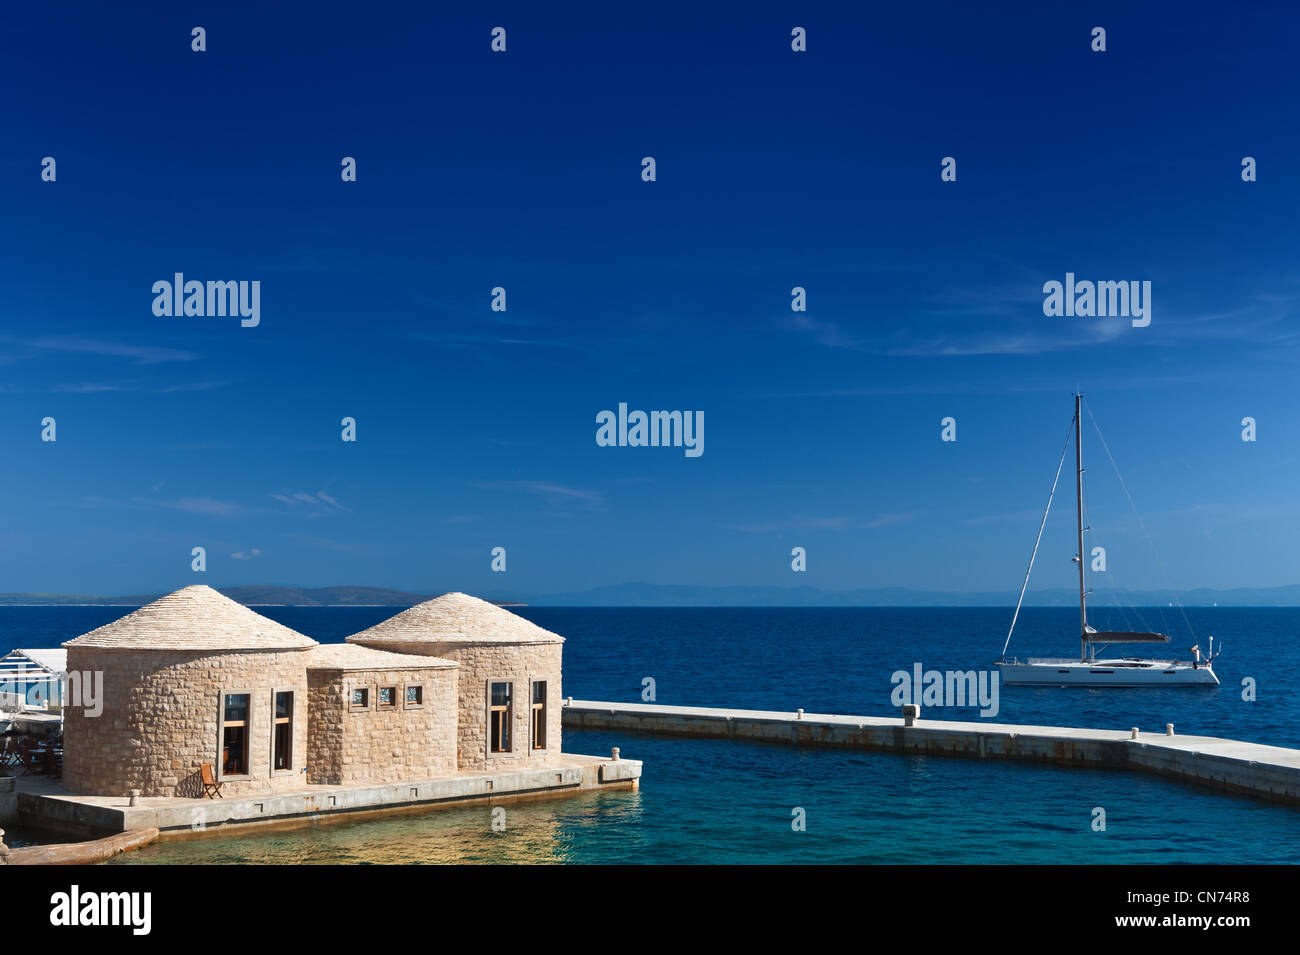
(455, 618)
(349, 656)
(193, 618)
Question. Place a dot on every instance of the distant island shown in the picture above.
(249, 596)
(687, 595)
(664, 595)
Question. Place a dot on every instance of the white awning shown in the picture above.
(55, 660)
(33, 664)
(32, 679)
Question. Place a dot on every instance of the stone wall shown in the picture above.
(482, 663)
(161, 720)
(325, 713)
(380, 744)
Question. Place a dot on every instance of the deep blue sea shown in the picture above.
(718, 801)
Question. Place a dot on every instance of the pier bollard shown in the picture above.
(798, 714)
(613, 754)
(1135, 733)
(911, 713)
(135, 797)
(1169, 729)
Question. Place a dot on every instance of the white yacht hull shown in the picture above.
(1115, 672)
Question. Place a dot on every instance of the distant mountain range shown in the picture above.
(251, 596)
(686, 595)
(660, 595)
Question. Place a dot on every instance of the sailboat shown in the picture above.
(1088, 669)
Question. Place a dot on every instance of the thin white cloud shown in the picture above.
(551, 492)
(140, 354)
(329, 500)
(136, 385)
(317, 504)
(835, 523)
(197, 505)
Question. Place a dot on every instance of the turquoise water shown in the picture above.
(714, 801)
(718, 801)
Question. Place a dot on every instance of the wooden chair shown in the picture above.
(211, 788)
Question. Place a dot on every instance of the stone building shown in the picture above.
(191, 678)
(455, 684)
(377, 717)
(509, 679)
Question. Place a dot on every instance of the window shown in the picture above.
(539, 714)
(234, 735)
(388, 696)
(282, 732)
(415, 695)
(361, 698)
(499, 717)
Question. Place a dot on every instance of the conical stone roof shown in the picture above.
(194, 618)
(455, 618)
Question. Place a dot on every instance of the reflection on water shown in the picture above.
(551, 831)
(21, 837)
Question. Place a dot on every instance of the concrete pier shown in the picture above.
(83, 853)
(1270, 772)
(42, 803)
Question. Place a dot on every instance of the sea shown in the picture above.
(716, 801)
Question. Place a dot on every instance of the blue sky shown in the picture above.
(522, 170)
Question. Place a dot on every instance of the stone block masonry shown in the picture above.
(381, 743)
(483, 663)
(161, 720)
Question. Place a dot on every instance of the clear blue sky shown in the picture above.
(522, 170)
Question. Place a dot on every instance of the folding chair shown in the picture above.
(211, 788)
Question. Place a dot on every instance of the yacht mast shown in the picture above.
(1078, 486)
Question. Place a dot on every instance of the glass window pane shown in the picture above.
(236, 707)
(234, 751)
(500, 694)
(283, 705)
(283, 745)
(539, 691)
(413, 694)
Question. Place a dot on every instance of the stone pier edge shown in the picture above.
(1267, 772)
(90, 816)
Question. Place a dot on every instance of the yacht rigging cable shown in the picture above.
(1039, 539)
(1141, 523)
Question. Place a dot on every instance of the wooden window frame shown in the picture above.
(406, 703)
(509, 709)
(246, 724)
(379, 700)
(291, 720)
(535, 708)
